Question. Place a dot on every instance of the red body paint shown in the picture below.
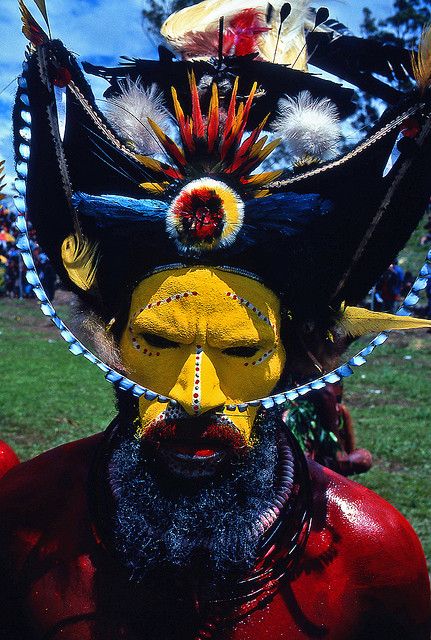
(362, 577)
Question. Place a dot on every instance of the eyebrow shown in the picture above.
(249, 305)
(163, 301)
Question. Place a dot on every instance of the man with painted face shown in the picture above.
(195, 515)
(190, 520)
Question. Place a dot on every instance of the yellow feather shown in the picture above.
(80, 261)
(356, 322)
(421, 61)
(30, 28)
(262, 155)
(261, 179)
(150, 163)
(154, 187)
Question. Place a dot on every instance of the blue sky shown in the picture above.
(100, 31)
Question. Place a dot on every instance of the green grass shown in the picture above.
(389, 403)
(48, 397)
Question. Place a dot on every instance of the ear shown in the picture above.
(355, 322)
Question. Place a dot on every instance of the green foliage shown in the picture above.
(156, 11)
(305, 425)
(402, 28)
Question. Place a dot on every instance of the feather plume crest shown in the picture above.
(129, 112)
(30, 27)
(356, 321)
(80, 259)
(309, 127)
(41, 5)
(421, 61)
(199, 24)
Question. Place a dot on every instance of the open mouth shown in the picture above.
(202, 450)
(195, 447)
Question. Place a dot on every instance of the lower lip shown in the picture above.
(193, 451)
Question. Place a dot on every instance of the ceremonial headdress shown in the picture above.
(171, 175)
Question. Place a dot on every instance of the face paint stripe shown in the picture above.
(152, 305)
(158, 303)
(196, 399)
(250, 306)
(262, 358)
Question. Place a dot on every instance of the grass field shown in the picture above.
(48, 397)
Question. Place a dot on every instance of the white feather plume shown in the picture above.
(128, 114)
(310, 127)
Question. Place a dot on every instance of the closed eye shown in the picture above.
(241, 352)
(154, 340)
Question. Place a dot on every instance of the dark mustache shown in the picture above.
(206, 429)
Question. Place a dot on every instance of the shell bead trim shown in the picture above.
(77, 348)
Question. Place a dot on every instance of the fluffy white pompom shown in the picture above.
(310, 127)
(128, 113)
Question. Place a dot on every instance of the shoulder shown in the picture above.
(32, 491)
(380, 545)
(362, 514)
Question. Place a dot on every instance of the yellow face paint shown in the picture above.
(206, 338)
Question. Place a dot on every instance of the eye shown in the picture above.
(159, 342)
(241, 352)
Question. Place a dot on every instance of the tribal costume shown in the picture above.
(219, 290)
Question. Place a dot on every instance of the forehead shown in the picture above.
(187, 297)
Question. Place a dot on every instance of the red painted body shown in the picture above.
(8, 458)
(363, 575)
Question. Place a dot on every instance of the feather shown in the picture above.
(80, 259)
(30, 28)
(197, 118)
(309, 127)
(213, 118)
(198, 24)
(241, 37)
(128, 113)
(421, 62)
(185, 132)
(111, 209)
(284, 43)
(356, 321)
(171, 147)
(41, 4)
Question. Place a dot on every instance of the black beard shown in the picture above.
(161, 525)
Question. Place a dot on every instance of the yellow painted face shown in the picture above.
(206, 338)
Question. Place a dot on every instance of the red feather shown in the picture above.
(240, 38)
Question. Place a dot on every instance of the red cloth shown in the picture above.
(363, 575)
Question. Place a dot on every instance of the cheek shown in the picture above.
(148, 412)
(243, 421)
(157, 369)
(251, 379)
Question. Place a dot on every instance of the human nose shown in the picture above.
(197, 388)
